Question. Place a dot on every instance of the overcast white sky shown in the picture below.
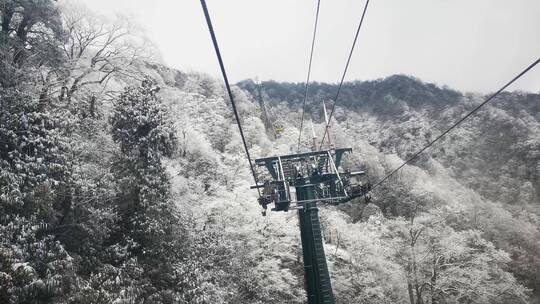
(471, 45)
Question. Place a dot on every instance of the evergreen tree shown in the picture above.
(34, 176)
(147, 229)
(32, 162)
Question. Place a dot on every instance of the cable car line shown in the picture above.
(456, 124)
(309, 72)
(344, 74)
(231, 97)
(315, 175)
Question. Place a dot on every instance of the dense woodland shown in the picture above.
(124, 181)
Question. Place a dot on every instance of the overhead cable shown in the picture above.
(309, 72)
(229, 91)
(490, 98)
(344, 73)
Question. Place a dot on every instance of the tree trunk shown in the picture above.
(92, 109)
(433, 281)
(22, 33)
(44, 96)
(6, 20)
(63, 91)
(22, 30)
(411, 292)
(415, 270)
(70, 93)
(419, 299)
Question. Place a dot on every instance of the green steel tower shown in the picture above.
(314, 177)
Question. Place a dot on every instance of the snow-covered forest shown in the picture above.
(125, 181)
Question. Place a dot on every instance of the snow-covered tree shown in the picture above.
(33, 163)
(147, 228)
(97, 50)
(29, 37)
(442, 265)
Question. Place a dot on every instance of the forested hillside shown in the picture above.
(484, 176)
(124, 181)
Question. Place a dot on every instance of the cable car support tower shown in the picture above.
(301, 181)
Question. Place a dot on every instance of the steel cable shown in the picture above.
(309, 72)
(344, 74)
(491, 97)
(229, 91)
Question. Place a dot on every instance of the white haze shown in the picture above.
(470, 45)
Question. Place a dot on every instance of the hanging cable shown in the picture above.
(222, 66)
(309, 73)
(344, 74)
(415, 155)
